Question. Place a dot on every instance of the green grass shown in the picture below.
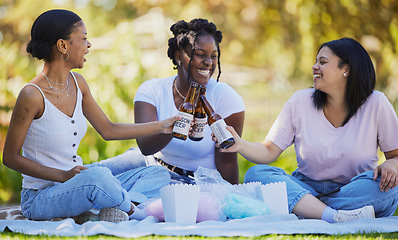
(12, 236)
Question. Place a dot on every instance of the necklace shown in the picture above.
(60, 84)
(175, 86)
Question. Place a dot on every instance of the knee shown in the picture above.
(261, 173)
(96, 176)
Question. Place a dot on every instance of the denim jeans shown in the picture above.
(97, 187)
(361, 191)
(133, 158)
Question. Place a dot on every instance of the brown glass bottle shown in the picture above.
(217, 125)
(198, 129)
(181, 127)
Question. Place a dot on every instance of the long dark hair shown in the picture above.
(48, 28)
(361, 79)
(185, 34)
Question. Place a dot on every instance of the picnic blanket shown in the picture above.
(246, 227)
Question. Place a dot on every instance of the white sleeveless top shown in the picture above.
(53, 139)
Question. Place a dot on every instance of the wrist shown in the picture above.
(160, 126)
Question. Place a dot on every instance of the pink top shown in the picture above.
(325, 152)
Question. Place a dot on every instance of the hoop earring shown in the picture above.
(62, 57)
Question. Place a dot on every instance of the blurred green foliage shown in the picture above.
(268, 49)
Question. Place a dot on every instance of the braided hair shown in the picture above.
(186, 33)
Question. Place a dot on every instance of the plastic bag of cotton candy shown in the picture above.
(218, 199)
(230, 201)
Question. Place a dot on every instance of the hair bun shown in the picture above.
(179, 27)
(39, 49)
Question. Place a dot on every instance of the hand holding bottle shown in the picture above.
(233, 148)
(167, 124)
(217, 125)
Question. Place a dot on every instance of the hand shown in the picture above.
(389, 175)
(233, 148)
(73, 172)
(167, 124)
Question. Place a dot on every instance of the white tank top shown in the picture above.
(53, 139)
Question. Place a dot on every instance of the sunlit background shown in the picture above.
(268, 49)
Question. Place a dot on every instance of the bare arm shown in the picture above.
(118, 131)
(29, 104)
(227, 163)
(259, 153)
(143, 113)
(388, 171)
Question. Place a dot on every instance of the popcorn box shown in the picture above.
(180, 203)
(275, 196)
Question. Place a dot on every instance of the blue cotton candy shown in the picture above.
(237, 206)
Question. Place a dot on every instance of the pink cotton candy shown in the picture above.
(155, 209)
(209, 208)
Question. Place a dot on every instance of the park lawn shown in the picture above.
(379, 236)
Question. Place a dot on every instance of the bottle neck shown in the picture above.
(208, 109)
(191, 94)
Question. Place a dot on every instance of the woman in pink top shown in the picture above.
(337, 128)
(48, 122)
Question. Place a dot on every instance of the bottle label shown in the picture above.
(219, 129)
(199, 127)
(182, 126)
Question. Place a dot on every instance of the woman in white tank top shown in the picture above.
(48, 122)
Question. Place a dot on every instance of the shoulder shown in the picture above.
(30, 94)
(158, 82)
(155, 86)
(220, 90)
(377, 98)
(81, 82)
(304, 95)
(213, 85)
(79, 78)
(30, 99)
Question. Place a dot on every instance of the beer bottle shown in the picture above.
(217, 125)
(198, 129)
(181, 127)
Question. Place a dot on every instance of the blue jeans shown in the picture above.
(133, 158)
(95, 187)
(361, 191)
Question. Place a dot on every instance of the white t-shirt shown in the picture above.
(325, 152)
(188, 154)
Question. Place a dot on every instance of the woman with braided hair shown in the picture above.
(194, 50)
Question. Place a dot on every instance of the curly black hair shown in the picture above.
(186, 33)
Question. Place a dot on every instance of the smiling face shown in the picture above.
(328, 74)
(77, 46)
(204, 59)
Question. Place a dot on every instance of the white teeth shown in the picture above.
(317, 75)
(204, 72)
